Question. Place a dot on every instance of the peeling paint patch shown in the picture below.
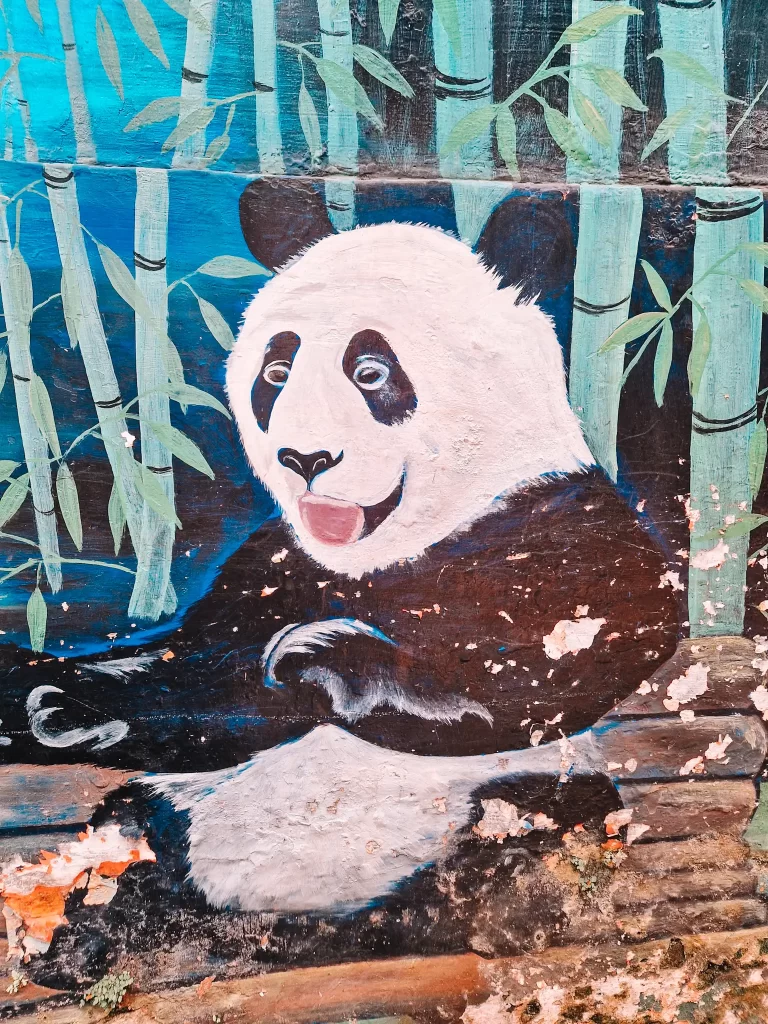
(687, 687)
(671, 579)
(711, 558)
(570, 636)
(759, 698)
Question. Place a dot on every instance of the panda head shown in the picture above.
(387, 391)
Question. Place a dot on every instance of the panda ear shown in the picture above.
(280, 218)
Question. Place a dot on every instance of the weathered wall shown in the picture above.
(382, 444)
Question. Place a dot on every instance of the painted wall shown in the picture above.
(382, 444)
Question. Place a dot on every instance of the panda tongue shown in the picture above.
(331, 520)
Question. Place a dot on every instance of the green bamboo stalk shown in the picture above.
(152, 592)
(724, 409)
(62, 193)
(33, 439)
(609, 232)
(268, 137)
(85, 152)
(198, 54)
(463, 83)
(609, 229)
(696, 30)
(336, 32)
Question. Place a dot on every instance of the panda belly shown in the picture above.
(329, 822)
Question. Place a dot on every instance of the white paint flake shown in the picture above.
(711, 558)
(671, 579)
(759, 698)
(128, 437)
(279, 556)
(717, 748)
(570, 636)
(690, 685)
(695, 765)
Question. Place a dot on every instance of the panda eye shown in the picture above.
(370, 374)
(276, 373)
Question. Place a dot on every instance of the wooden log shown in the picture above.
(695, 916)
(677, 809)
(634, 890)
(685, 855)
(33, 796)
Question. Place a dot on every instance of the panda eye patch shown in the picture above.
(276, 373)
(273, 374)
(370, 374)
(372, 366)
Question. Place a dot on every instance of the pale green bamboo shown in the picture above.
(33, 440)
(81, 119)
(719, 450)
(16, 90)
(105, 392)
(697, 31)
(152, 591)
(198, 55)
(609, 228)
(269, 142)
(609, 232)
(336, 32)
(464, 82)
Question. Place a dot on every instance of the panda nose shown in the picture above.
(307, 466)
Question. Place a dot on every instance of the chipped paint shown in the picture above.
(570, 636)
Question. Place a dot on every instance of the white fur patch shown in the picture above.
(487, 370)
(307, 637)
(329, 822)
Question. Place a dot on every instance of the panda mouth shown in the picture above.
(337, 522)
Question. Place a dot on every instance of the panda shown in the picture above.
(451, 592)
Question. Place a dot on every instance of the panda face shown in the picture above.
(388, 393)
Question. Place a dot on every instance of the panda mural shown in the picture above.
(451, 594)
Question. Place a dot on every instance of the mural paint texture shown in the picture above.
(383, 563)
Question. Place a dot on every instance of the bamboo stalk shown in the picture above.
(198, 54)
(16, 90)
(609, 232)
(609, 229)
(336, 32)
(85, 152)
(268, 137)
(152, 593)
(33, 440)
(463, 82)
(105, 392)
(720, 436)
(696, 30)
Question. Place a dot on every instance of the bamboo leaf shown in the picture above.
(173, 365)
(158, 110)
(758, 293)
(388, 17)
(69, 503)
(668, 127)
(20, 284)
(216, 149)
(151, 491)
(744, 525)
(186, 10)
(190, 395)
(702, 130)
(145, 28)
(506, 140)
(116, 516)
(381, 69)
(42, 411)
(123, 282)
(196, 121)
(565, 134)
(674, 60)
(758, 449)
(13, 498)
(108, 52)
(345, 87)
(33, 6)
(659, 289)
(182, 447)
(448, 13)
(593, 24)
(3, 370)
(469, 127)
(702, 345)
(662, 362)
(70, 301)
(37, 619)
(217, 325)
(631, 330)
(232, 266)
(7, 468)
(613, 85)
(590, 117)
(310, 123)
(757, 249)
